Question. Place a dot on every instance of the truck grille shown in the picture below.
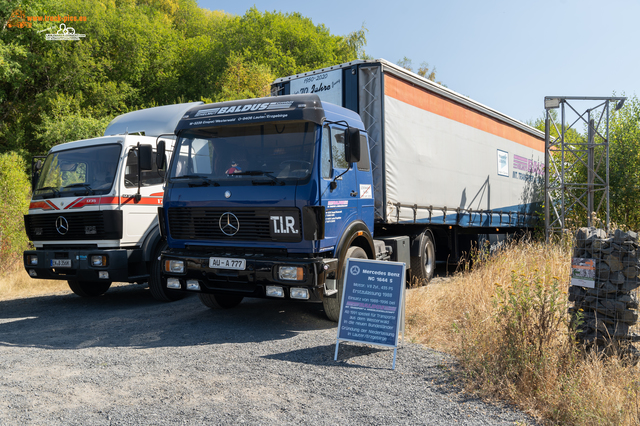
(203, 223)
(95, 225)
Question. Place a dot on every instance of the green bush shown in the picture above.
(14, 203)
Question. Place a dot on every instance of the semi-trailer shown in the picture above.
(269, 197)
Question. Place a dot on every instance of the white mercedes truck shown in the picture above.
(93, 212)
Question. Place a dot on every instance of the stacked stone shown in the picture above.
(610, 309)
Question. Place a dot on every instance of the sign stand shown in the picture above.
(373, 304)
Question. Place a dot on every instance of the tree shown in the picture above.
(423, 69)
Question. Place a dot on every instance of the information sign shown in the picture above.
(583, 272)
(372, 307)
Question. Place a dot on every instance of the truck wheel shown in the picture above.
(332, 304)
(220, 301)
(423, 266)
(89, 289)
(159, 292)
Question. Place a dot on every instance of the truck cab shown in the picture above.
(93, 213)
(263, 196)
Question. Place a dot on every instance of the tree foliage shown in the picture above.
(14, 202)
(143, 53)
(423, 70)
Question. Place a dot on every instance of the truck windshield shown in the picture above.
(274, 153)
(80, 171)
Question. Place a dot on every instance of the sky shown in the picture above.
(507, 55)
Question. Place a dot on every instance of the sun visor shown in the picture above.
(247, 111)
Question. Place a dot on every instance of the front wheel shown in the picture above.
(159, 292)
(89, 289)
(332, 304)
(220, 301)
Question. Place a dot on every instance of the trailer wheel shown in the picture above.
(220, 301)
(423, 266)
(159, 292)
(332, 304)
(89, 289)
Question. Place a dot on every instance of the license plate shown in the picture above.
(61, 263)
(226, 263)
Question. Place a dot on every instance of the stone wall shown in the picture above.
(610, 309)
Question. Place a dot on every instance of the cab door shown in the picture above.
(140, 214)
(341, 203)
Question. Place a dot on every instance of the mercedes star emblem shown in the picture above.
(229, 224)
(62, 225)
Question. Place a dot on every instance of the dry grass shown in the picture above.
(493, 319)
(18, 284)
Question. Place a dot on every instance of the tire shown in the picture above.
(332, 304)
(160, 293)
(423, 266)
(220, 301)
(89, 289)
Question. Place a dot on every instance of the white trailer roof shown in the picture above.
(388, 67)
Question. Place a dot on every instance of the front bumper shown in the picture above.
(121, 265)
(259, 273)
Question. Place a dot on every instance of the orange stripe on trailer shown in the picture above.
(158, 194)
(428, 101)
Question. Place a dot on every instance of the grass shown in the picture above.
(18, 284)
(505, 321)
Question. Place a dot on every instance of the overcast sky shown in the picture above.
(506, 54)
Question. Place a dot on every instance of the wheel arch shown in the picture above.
(151, 243)
(416, 242)
(356, 234)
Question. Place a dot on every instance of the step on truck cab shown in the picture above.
(269, 197)
(93, 212)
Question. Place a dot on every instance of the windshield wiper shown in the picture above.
(86, 186)
(205, 181)
(53, 189)
(259, 173)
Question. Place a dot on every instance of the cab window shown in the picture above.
(149, 177)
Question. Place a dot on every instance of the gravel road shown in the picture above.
(124, 359)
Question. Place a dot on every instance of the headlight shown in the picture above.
(291, 273)
(175, 266)
(32, 260)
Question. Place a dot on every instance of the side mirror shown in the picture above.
(36, 169)
(352, 145)
(144, 157)
(160, 157)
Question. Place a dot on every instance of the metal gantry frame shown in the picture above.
(576, 163)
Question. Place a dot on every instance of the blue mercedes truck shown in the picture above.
(268, 197)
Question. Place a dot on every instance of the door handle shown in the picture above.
(354, 194)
